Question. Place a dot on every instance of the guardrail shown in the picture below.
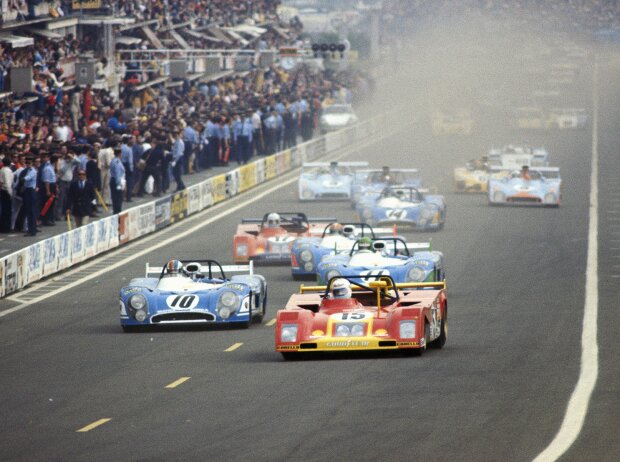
(65, 250)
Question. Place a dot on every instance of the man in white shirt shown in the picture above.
(104, 158)
(6, 192)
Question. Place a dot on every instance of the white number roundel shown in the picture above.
(182, 302)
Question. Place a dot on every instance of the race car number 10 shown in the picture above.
(182, 302)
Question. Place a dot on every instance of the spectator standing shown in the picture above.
(257, 133)
(212, 141)
(29, 197)
(104, 158)
(245, 138)
(48, 191)
(178, 149)
(6, 193)
(67, 165)
(93, 174)
(75, 109)
(153, 157)
(127, 159)
(80, 199)
(190, 139)
(117, 175)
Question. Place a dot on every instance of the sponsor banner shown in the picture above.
(296, 155)
(179, 206)
(232, 183)
(300, 153)
(15, 271)
(247, 177)
(113, 232)
(271, 167)
(63, 246)
(86, 4)
(123, 227)
(315, 149)
(141, 220)
(283, 161)
(162, 212)
(90, 239)
(34, 262)
(206, 194)
(77, 238)
(102, 239)
(2, 278)
(260, 171)
(194, 204)
(50, 256)
(219, 188)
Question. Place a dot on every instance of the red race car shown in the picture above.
(269, 240)
(348, 315)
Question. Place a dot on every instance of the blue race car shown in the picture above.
(327, 181)
(392, 256)
(532, 186)
(369, 183)
(193, 292)
(403, 205)
(307, 252)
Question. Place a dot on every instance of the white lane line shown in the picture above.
(588, 372)
(251, 195)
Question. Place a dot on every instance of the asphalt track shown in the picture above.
(497, 391)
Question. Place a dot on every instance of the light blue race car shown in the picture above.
(404, 206)
(531, 186)
(308, 252)
(372, 258)
(368, 184)
(327, 180)
(193, 292)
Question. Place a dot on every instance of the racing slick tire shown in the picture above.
(440, 341)
(420, 351)
(259, 318)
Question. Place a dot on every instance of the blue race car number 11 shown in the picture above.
(182, 302)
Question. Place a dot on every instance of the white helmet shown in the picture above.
(341, 288)
(273, 220)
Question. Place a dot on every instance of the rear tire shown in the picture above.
(427, 333)
(440, 341)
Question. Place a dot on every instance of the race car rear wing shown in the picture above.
(203, 267)
(339, 164)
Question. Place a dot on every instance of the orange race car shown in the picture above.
(269, 240)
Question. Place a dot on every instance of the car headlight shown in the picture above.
(427, 213)
(137, 301)
(550, 198)
(416, 274)
(342, 330)
(357, 330)
(242, 250)
(140, 315)
(228, 299)
(331, 274)
(498, 196)
(308, 266)
(288, 333)
(305, 255)
(407, 329)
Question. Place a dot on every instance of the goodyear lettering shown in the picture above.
(348, 344)
(234, 286)
(289, 347)
(407, 344)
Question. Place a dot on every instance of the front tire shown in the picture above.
(440, 341)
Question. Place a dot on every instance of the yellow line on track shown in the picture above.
(178, 382)
(271, 323)
(233, 347)
(88, 428)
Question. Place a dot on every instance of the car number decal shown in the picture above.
(182, 302)
(355, 316)
(374, 274)
(396, 214)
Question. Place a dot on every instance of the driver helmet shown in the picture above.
(174, 267)
(341, 288)
(365, 243)
(336, 228)
(273, 220)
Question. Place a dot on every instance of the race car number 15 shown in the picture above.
(349, 316)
